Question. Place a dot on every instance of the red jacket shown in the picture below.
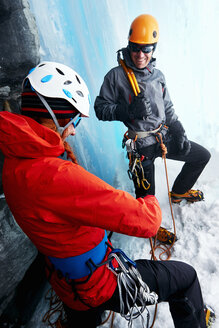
(63, 208)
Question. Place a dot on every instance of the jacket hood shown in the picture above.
(129, 62)
(21, 136)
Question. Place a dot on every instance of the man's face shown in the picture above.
(140, 54)
(141, 59)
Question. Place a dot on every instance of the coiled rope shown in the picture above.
(137, 293)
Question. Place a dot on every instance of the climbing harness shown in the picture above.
(142, 134)
(134, 293)
(136, 170)
(83, 265)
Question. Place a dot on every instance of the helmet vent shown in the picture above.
(41, 65)
(67, 82)
(59, 71)
(80, 93)
(74, 100)
(154, 34)
(77, 78)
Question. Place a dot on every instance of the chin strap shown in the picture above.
(59, 128)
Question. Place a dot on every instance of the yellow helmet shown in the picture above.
(144, 29)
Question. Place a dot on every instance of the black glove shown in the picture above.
(140, 107)
(184, 145)
(178, 132)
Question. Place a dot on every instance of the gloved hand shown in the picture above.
(140, 107)
(183, 144)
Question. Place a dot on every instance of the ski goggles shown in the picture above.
(77, 121)
(74, 121)
(135, 47)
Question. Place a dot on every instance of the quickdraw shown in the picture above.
(135, 171)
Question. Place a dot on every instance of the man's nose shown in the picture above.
(141, 53)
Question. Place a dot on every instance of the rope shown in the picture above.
(107, 318)
(55, 315)
(136, 291)
(165, 249)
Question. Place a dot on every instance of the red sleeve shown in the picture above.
(88, 200)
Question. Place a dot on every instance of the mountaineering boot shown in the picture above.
(165, 236)
(190, 196)
(209, 316)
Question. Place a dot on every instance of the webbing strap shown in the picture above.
(76, 267)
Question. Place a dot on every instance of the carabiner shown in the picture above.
(122, 256)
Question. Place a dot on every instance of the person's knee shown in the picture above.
(206, 156)
(182, 275)
(191, 272)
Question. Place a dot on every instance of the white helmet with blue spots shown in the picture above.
(55, 90)
(55, 80)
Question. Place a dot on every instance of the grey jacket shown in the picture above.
(116, 91)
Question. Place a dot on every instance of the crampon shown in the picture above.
(165, 236)
(210, 316)
(190, 196)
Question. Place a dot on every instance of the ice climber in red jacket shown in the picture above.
(65, 211)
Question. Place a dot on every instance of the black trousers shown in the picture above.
(174, 282)
(195, 162)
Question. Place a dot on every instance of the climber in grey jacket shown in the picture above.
(149, 112)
